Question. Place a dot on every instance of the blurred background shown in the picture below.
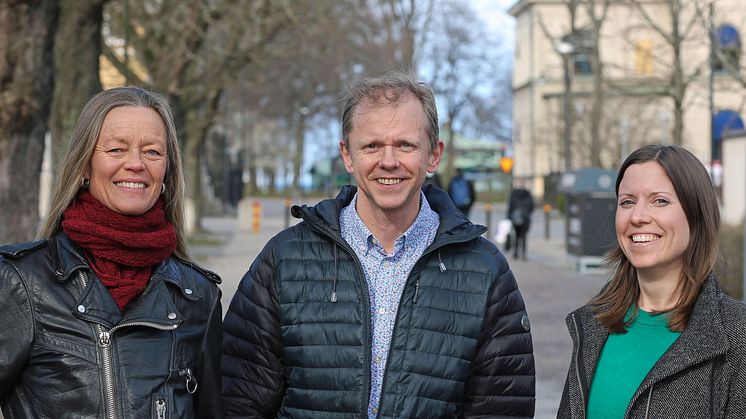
(550, 95)
(529, 92)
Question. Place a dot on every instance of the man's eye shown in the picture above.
(407, 145)
(370, 146)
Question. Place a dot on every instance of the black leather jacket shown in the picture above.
(66, 351)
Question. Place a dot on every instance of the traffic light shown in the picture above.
(506, 164)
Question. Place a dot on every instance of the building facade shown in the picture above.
(655, 62)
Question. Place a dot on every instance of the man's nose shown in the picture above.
(389, 157)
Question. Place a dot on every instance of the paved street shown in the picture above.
(550, 286)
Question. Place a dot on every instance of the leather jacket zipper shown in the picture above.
(577, 368)
(104, 339)
(160, 409)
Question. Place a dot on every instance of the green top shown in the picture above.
(625, 361)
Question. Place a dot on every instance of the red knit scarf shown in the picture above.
(122, 249)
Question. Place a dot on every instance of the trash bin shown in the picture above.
(591, 205)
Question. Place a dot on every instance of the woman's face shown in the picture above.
(129, 160)
(651, 226)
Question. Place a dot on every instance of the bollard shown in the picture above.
(288, 204)
(256, 215)
(488, 219)
(547, 220)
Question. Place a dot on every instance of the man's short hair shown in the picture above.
(388, 89)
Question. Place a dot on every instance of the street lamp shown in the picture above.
(565, 47)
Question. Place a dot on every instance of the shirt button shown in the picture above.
(171, 316)
(188, 291)
(381, 310)
(81, 308)
(377, 360)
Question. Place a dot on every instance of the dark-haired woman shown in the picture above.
(106, 316)
(660, 340)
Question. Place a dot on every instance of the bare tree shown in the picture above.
(676, 29)
(191, 51)
(458, 65)
(76, 67)
(26, 81)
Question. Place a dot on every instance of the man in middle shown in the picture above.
(385, 301)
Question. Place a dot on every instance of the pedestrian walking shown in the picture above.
(461, 191)
(384, 301)
(106, 316)
(520, 207)
(660, 340)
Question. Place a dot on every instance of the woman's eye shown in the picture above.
(660, 201)
(153, 153)
(626, 203)
(116, 150)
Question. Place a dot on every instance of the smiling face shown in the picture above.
(651, 225)
(389, 154)
(129, 160)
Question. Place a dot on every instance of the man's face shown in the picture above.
(389, 154)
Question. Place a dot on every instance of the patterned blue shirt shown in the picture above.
(386, 276)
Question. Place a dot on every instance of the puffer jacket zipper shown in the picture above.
(577, 368)
(104, 339)
(324, 229)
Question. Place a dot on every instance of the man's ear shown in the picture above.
(435, 155)
(346, 157)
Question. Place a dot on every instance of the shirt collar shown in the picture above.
(357, 234)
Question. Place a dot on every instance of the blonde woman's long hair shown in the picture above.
(79, 152)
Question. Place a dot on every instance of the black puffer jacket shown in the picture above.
(66, 351)
(297, 334)
(702, 374)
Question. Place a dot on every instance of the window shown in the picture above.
(728, 53)
(644, 57)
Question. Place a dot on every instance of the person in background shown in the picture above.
(461, 191)
(106, 315)
(385, 301)
(520, 207)
(660, 340)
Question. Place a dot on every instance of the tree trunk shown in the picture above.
(678, 84)
(76, 67)
(597, 106)
(300, 134)
(26, 80)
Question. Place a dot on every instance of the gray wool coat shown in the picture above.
(702, 374)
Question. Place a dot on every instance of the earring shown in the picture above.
(85, 183)
(163, 188)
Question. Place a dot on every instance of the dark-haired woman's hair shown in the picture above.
(698, 200)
